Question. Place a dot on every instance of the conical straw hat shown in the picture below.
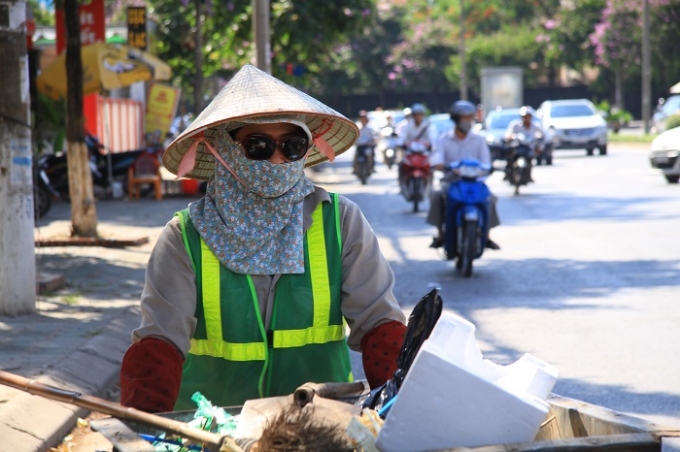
(254, 94)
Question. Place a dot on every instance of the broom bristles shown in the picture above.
(296, 430)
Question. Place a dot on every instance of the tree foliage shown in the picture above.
(617, 40)
(302, 33)
(339, 47)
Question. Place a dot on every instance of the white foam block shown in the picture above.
(452, 397)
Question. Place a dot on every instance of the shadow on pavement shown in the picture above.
(577, 279)
(95, 278)
(553, 208)
(140, 213)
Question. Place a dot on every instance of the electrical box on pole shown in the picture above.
(17, 251)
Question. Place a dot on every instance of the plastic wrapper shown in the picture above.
(421, 322)
(207, 417)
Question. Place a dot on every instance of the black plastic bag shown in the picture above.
(421, 322)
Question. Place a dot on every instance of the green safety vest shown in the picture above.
(232, 357)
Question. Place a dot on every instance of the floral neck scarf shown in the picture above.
(254, 228)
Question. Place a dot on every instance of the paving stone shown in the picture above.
(16, 441)
(76, 339)
(49, 282)
(42, 419)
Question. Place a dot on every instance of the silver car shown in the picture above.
(664, 154)
(576, 124)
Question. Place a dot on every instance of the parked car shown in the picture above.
(664, 154)
(670, 107)
(496, 124)
(575, 124)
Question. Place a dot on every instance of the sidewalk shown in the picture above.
(79, 333)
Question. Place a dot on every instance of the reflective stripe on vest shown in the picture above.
(214, 345)
(319, 333)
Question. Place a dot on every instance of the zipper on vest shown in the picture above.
(263, 333)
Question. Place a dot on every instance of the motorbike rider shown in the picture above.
(526, 126)
(404, 122)
(453, 146)
(367, 139)
(415, 130)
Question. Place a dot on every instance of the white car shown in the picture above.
(664, 154)
(670, 107)
(576, 124)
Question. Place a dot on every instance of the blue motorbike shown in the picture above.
(466, 225)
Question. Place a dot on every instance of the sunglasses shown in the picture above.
(262, 147)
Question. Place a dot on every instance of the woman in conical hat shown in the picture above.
(248, 289)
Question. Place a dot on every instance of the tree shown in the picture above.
(302, 33)
(514, 46)
(570, 30)
(617, 42)
(665, 17)
(360, 64)
(419, 60)
(83, 210)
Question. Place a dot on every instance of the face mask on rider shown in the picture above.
(464, 125)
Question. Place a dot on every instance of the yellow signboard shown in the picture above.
(161, 106)
(136, 22)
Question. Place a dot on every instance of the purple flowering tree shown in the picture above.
(617, 42)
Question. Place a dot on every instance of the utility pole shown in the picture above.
(646, 70)
(198, 59)
(17, 250)
(261, 33)
(83, 209)
(463, 68)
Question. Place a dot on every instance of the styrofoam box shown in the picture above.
(452, 397)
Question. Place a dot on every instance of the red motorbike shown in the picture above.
(415, 174)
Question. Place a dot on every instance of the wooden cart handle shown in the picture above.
(212, 441)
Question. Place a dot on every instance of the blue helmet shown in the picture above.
(462, 108)
(418, 109)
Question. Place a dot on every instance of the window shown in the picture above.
(568, 111)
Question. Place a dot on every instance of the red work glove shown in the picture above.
(150, 375)
(380, 350)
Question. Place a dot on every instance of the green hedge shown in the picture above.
(673, 122)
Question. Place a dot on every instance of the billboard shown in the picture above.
(92, 24)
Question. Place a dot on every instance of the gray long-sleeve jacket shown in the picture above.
(169, 295)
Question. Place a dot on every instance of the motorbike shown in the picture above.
(521, 149)
(415, 174)
(106, 168)
(364, 163)
(466, 225)
(43, 191)
(388, 145)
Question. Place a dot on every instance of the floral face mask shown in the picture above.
(251, 216)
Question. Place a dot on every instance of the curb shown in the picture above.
(35, 424)
(92, 241)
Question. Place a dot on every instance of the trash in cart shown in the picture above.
(451, 397)
(443, 397)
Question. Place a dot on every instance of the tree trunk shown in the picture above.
(17, 250)
(83, 210)
(198, 59)
(552, 76)
(618, 88)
